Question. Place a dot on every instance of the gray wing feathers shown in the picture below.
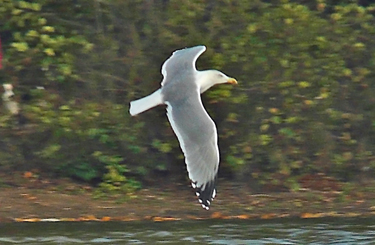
(180, 60)
(197, 135)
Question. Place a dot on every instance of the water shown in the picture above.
(281, 231)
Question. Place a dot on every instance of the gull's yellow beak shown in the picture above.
(232, 81)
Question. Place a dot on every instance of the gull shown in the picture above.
(196, 132)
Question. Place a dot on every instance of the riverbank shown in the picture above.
(25, 199)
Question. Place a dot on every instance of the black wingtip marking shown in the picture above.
(206, 193)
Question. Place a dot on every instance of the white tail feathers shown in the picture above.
(146, 103)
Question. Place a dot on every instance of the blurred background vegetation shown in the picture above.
(304, 105)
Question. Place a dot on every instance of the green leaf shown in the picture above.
(36, 6)
(21, 46)
(276, 119)
(288, 132)
(304, 84)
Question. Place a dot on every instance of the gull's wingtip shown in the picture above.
(205, 193)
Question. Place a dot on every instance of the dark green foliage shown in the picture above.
(305, 101)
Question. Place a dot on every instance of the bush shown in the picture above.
(304, 103)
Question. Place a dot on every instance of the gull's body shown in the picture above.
(180, 91)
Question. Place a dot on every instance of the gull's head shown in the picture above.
(209, 78)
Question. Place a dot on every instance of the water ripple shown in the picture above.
(232, 232)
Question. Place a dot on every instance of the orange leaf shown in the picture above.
(157, 219)
(243, 216)
(106, 218)
(216, 215)
(311, 215)
(267, 216)
(88, 218)
(28, 175)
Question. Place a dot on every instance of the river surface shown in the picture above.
(280, 231)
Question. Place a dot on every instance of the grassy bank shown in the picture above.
(27, 199)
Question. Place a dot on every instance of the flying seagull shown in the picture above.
(180, 91)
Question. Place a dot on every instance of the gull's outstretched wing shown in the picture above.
(181, 60)
(197, 135)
